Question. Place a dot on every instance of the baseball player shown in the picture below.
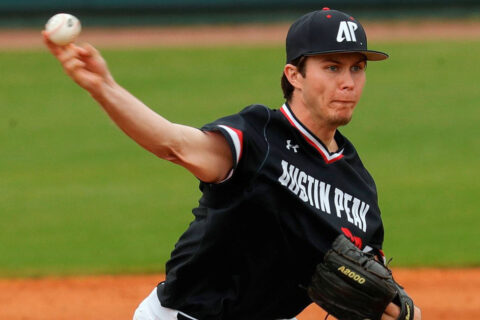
(279, 185)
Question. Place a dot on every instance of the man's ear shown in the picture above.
(293, 75)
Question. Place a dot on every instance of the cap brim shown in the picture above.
(375, 55)
(371, 55)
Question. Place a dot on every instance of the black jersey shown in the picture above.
(258, 235)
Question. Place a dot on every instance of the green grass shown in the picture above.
(418, 130)
(77, 196)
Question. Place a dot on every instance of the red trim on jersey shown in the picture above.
(317, 145)
(240, 138)
(237, 138)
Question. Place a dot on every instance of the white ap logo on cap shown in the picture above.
(346, 31)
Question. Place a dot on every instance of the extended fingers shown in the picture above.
(91, 55)
(63, 53)
(67, 54)
(71, 65)
(54, 49)
(87, 50)
(69, 58)
(83, 64)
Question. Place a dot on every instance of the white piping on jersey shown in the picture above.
(187, 316)
(329, 158)
(237, 139)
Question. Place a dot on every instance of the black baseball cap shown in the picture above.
(328, 31)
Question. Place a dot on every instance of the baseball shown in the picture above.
(63, 28)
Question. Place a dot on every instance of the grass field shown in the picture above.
(78, 197)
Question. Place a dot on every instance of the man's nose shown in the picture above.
(346, 81)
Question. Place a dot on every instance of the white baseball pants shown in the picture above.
(151, 309)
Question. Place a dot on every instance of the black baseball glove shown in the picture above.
(351, 285)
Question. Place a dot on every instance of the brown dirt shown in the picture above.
(253, 34)
(441, 293)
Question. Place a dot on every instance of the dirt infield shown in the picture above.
(238, 35)
(442, 295)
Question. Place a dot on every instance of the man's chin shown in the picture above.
(341, 116)
(341, 121)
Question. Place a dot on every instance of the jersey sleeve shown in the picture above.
(244, 134)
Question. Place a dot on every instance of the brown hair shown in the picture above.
(286, 85)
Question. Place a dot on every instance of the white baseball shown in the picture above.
(63, 28)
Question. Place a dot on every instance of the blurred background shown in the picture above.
(21, 13)
(77, 197)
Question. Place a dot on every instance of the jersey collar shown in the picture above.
(329, 157)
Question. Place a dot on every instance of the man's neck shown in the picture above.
(315, 124)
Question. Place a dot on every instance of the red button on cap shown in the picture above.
(325, 9)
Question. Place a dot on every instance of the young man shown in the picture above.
(278, 185)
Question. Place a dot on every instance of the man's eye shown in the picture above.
(357, 68)
(332, 68)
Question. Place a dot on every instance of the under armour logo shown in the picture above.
(346, 31)
(291, 146)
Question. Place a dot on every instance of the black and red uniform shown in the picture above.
(258, 235)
